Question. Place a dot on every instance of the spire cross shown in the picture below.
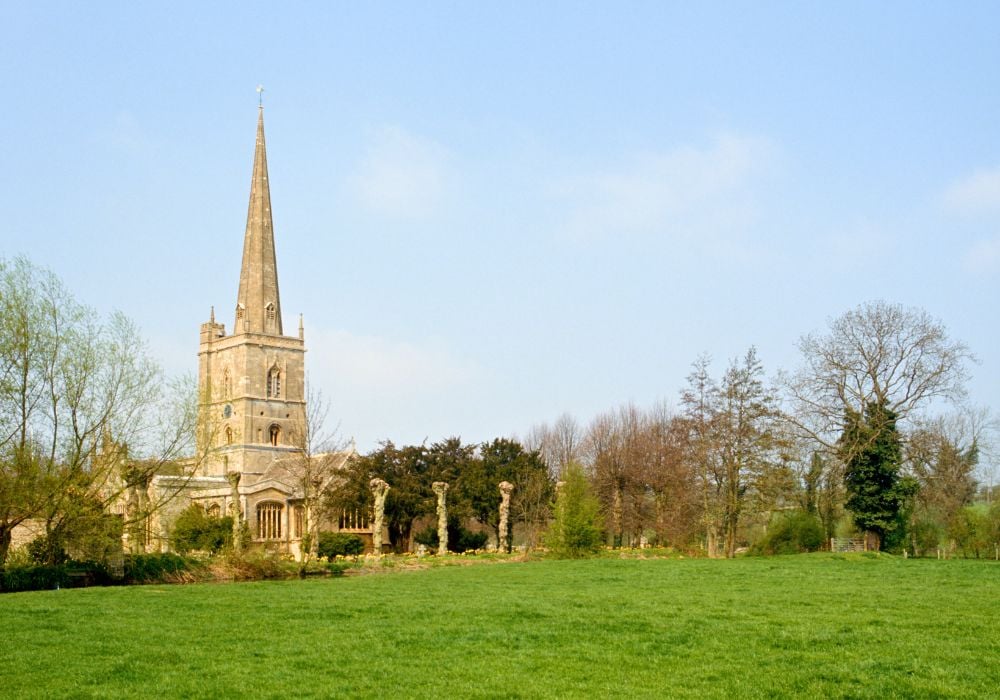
(260, 95)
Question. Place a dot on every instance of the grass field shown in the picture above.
(818, 625)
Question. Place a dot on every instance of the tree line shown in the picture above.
(871, 434)
(850, 440)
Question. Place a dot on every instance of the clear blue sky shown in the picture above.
(493, 213)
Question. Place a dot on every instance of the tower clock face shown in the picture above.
(227, 411)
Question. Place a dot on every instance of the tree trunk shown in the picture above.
(712, 541)
(5, 536)
(616, 517)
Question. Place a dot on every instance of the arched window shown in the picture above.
(298, 521)
(214, 510)
(229, 435)
(269, 520)
(274, 383)
(227, 384)
(240, 312)
(269, 311)
(274, 434)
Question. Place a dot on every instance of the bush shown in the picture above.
(972, 531)
(333, 544)
(155, 568)
(926, 536)
(33, 578)
(194, 529)
(792, 533)
(47, 549)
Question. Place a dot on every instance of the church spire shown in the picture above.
(258, 307)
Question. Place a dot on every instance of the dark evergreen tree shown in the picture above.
(871, 451)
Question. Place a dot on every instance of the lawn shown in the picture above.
(817, 625)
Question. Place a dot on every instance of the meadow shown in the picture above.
(821, 625)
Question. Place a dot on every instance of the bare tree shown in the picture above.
(559, 444)
(943, 454)
(901, 358)
(316, 468)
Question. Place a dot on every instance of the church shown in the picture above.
(253, 456)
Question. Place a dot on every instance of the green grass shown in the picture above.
(813, 625)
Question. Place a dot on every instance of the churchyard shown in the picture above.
(820, 625)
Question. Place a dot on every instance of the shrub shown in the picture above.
(33, 578)
(194, 529)
(792, 533)
(971, 530)
(89, 573)
(47, 549)
(333, 544)
(926, 535)
(156, 568)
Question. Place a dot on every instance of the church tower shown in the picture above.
(252, 408)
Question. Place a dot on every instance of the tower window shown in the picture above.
(274, 435)
(274, 383)
(269, 309)
(240, 312)
(227, 384)
(229, 435)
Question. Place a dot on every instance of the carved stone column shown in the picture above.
(234, 495)
(441, 489)
(379, 490)
(505, 488)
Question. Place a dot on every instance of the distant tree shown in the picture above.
(315, 467)
(943, 455)
(502, 459)
(972, 532)
(670, 479)
(78, 394)
(558, 444)
(876, 493)
(576, 529)
(408, 472)
(746, 435)
(881, 353)
(701, 409)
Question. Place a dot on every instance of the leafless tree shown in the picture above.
(898, 357)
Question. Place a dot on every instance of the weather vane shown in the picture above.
(260, 95)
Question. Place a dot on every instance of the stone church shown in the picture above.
(252, 435)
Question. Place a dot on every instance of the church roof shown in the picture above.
(258, 305)
(289, 470)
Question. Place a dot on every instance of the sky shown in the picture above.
(493, 213)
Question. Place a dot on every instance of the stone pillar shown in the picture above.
(505, 488)
(379, 490)
(234, 483)
(441, 489)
